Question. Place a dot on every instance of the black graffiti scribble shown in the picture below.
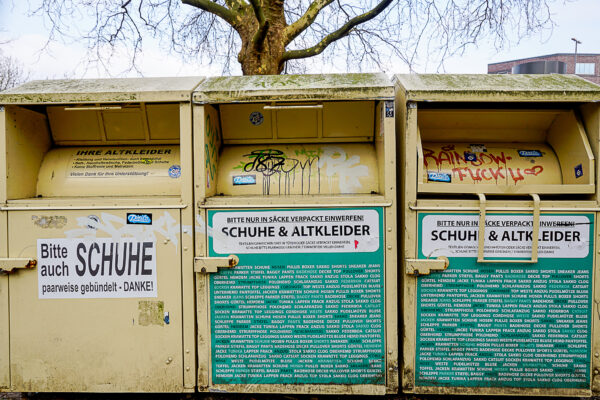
(269, 162)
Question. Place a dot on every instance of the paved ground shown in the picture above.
(229, 396)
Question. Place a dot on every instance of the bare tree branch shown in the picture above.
(213, 8)
(293, 30)
(336, 35)
(263, 25)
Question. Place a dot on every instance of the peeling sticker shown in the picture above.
(433, 176)
(470, 156)
(256, 118)
(244, 180)
(95, 219)
(529, 153)
(151, 313)
(389, 109)
(50, 221)
(478, 148)
(175, 171)
(116, 227)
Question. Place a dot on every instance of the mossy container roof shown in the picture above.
(294, 88)
(123, 90)
(497, 88)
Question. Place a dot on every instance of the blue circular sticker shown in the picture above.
(256, 118)
(174, 171)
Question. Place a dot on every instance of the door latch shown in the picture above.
(425, 266)
(207, 265)
(8, 265)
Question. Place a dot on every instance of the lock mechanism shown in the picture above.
(8, 265)
(425, 266)
(209, 265)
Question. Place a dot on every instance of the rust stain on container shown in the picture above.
(151, 313)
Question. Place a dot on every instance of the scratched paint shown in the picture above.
(212, 139)
(310, 169)
(49, 221)
(503, 164)
(163, 227)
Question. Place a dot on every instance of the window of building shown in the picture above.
(585, 68)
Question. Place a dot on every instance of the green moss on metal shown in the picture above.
(492, 82)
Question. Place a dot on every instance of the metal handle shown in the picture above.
(425, 266)
(93, 108)
(535, 237)
(293, 107)
(207, 265)
(8, 265)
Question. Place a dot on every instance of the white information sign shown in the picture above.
(322, 231)
(507, 236)
(98, 268)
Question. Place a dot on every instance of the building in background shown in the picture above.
(587, 66)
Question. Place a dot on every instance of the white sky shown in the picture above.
(24, 37)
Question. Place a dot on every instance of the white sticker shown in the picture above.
(506, 236)
(98, 268)
(116, 162)
(314, 231)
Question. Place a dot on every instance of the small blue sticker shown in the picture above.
(167, 319)
(578, 171)
(174, 171)
(256, 118)
(438, 177)
(470, 156)
(530, 153)
(139, 219)
(244, 180)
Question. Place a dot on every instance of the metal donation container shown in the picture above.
(296, 238)
(97, 238)
(500, 197)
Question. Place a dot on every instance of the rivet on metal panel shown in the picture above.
(185, 248)
(389, 229)
(187, 368)
(185, 231)
(166, 241)
(389, 247)
(596, 355)
(596, 371)
(390, 352)
(391, 369)
(187, 351)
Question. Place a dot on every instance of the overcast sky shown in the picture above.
(24, 37)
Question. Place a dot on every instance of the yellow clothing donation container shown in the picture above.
(296, 234)
(97, 284)
(499, 188)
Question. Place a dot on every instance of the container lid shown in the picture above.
(497, 87)
(82, 91)
(364, 86)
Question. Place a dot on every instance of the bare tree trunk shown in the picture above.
(263, 43)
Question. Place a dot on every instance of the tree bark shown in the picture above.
(261, 26)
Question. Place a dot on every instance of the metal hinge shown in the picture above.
(209, 265)
(10, 264)
(425, 266)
